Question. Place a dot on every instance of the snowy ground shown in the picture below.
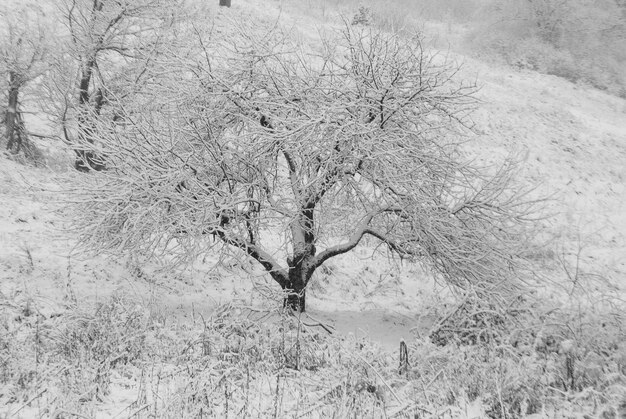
(574, 140)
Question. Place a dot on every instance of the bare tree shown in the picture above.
(292, 154)
(106, 37)
(23, 50)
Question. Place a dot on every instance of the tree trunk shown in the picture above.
(296, 294)
(301, 270)
(87, 160)
(85, 80)
(225, 3)
(14, 143)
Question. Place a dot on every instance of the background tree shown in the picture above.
(23, 51)
(107, 38)
(292, 155)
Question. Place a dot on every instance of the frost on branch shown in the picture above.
(292, 154)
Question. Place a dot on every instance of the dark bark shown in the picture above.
(296, 289)
(85, 80)
(296, 300)
(14, 140)
(301, 268)
(225, 3)
(87, 160)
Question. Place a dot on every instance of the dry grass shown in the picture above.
(561, 355)
(120, 359)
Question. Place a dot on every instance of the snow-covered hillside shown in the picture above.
(572, 140)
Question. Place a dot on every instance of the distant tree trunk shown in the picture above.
(87, 160)
(14, 139)
(85, 79)
(225, 3)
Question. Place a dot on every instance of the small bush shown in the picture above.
(114, 333)
(478, 319)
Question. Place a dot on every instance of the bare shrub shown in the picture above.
(477, 319)
(94, 343)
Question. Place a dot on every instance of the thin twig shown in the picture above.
(36, 396)
(58, 412)
(318, 324)
(139, 410)
(379, 376)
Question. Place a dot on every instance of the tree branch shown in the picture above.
(352, 242)
(265, 259)
(356, 237)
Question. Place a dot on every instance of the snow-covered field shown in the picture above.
(573, 139)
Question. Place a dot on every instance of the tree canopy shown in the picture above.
(292, 153)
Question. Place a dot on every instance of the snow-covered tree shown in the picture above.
(106, 39)
(24, 48)
(293, 153)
